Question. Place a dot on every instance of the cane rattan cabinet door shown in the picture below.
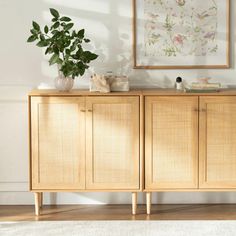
(218, 142)
(112, 143)
(171, 142)
(57, 143)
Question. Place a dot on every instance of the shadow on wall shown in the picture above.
(109, 31)
(108, 24)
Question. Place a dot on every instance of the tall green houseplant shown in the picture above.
(64, 44)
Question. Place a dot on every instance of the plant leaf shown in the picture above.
(68, 26)
(42, 38)
(53, 59)
(54, 13)
(42, 44)
(82, 71)
(59, 61)
(48, 50)
(87, 40)
(46, 29)
(31, 39)
(81, 34)
(74, 34)
(36, 25)
(90, 56)
(33, 31)
(55, 31)
(55, 25)
(93, 56)
(65, 18)
(55, 50)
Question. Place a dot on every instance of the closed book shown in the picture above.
(205, 85)
(206, 90)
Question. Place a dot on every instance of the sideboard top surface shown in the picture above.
(132, 92)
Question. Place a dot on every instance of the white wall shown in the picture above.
(23, 66)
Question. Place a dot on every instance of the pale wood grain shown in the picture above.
(174, 92)
(218, 142)
(134, 203)
(159, 126)
(29, 143)
(142, 143)
(112, 143)
(148, 202)
(80, 92)
(41, 200)
(171, 142)
(119, 212)
(58, 143)
(133, 92)
(37, 203)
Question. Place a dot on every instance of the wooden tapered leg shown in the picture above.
(149, 202)
(41, 200)
(37, 203)
(134, 203)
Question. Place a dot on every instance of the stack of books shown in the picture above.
(199, 87)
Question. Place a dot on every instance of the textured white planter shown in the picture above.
(64, 83)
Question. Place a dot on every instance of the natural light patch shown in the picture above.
(100, 6)
(124, 9)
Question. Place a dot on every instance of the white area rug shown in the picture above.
(119, 228)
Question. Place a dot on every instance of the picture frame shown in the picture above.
(181, 34)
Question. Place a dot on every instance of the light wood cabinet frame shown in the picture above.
(48, 116)
(201, 105)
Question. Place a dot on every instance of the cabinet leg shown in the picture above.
(37, 203)
(41, 200)
(149, 202)
(134, 203)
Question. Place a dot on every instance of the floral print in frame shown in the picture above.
(181, 33)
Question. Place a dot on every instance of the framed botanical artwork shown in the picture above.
(187, 34)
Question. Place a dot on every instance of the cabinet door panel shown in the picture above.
(58, 143)
(218, 142)
(171, 142)
(112, 146)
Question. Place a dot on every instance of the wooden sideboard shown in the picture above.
(138, 141)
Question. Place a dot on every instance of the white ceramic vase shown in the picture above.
(64, 84)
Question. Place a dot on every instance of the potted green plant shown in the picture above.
(65, 47)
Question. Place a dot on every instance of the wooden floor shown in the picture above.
(118, 212)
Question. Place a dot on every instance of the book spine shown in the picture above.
(209, 85)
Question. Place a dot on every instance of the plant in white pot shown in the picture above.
(65, 47)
